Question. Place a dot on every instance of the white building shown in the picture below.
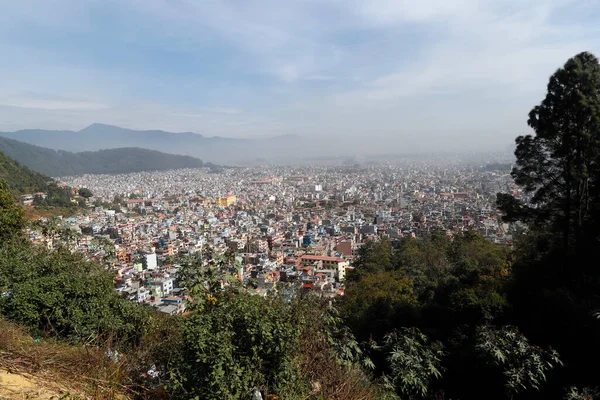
(162, 287)
(142, 294)
(150, 261)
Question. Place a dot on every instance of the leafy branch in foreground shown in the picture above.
(524, 364)
(586, 394)
(414, 362)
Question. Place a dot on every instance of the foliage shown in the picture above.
(444, 286)
(559, 164)
(238, 343)
(555, 275)
(340, 338)
(460, 279)
(234, 342)
(330, 358)
(524, 365)
(11, 215)
(56, 196)
(478, 274)
(425, 262)
(204, 275)
(586, 394)
(85, 192)
(372, 305)
(372, 257)
(21, 179)
(62, 294)
(33, 213)
(414, 362)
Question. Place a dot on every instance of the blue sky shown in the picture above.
(419, 74)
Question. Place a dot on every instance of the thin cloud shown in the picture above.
(318, 68)
(46, 104)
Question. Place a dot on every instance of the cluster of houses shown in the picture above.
(278, 227)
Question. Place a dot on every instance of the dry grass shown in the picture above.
(33, 213)
(328, 379)
(76, 371)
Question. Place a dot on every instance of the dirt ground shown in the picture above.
(17, 386)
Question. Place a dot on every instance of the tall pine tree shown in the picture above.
(556, 277)
(559, 165)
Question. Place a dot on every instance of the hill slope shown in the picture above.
(111, 161)
(101, 136)
(21, 179)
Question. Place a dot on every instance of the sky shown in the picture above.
(412, 75)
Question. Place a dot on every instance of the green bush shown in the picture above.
(62, 294)
(238, 343)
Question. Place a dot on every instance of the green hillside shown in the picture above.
(20, 178)
(110, 161)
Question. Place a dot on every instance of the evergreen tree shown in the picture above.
(559, 165)
(556, 277)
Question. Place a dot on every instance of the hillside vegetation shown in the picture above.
(21, 179)
(111, 161)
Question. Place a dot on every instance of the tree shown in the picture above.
(85, 193)
(374, 305)
(11, 215)
(425, 262)
(372, 257)
(555, 276)
(560, 165)
(443, 286)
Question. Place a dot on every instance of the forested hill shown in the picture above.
(58, 199)
(214, 149)
(111, 161)
(21, 179)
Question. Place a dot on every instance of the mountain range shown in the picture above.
(111, 161)
(100, 136)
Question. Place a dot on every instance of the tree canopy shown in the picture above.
(559, 165)
(21, 179)
(85, 192)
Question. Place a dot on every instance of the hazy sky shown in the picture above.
(440, 73)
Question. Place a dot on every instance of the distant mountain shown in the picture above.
(101, 136)
(112, 161)
(21, 179)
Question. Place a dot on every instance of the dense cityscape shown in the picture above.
(294, 225)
